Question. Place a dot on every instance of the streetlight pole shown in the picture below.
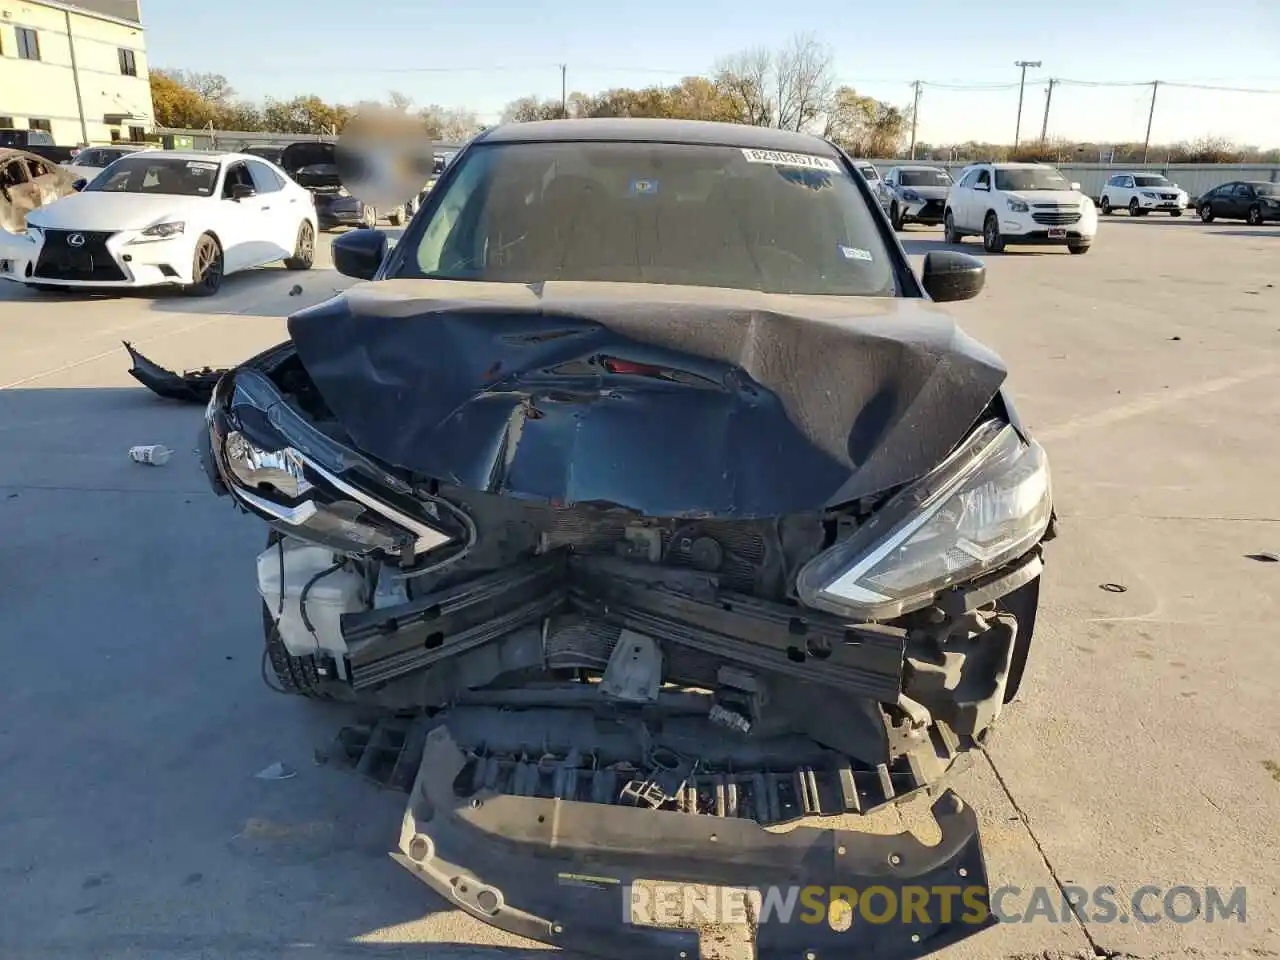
(1017, 130)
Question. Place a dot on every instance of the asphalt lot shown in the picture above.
(1144, 748)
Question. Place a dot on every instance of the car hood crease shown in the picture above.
(772, 404)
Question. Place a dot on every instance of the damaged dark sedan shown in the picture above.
(650, 478)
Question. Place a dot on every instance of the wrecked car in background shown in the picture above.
(26, 183)
(314, 164)
(648, 475)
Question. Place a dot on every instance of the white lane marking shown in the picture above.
(106, 353)
(1150, 403)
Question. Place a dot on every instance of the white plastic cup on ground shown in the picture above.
(156, 454)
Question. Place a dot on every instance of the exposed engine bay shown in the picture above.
(655, 659)
(626, 592)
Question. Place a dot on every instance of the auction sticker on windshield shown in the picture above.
(806, 160)
(201, 165)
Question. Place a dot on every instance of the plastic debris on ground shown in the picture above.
(155, 454)
(277, 771)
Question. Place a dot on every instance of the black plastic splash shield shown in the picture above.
(194, 386)
(672, 401)
(557, 871)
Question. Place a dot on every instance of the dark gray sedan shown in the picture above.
(915, 195)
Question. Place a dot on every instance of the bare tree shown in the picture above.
(803, 82)
(399, 102)
(211, 86)
(449, 124)
(746, 80)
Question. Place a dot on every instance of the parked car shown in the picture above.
(27, 182)
(314, 165)
(1141, 193)
(644, 437)
(39, 142)
(872, 176)
(266, 151)
(162, 217)
(1254, 201)
(1019, 203)
(91, 161)
(916, 194)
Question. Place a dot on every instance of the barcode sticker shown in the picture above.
(806, 161)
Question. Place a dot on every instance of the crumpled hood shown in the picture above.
(101, 210)
(672, 401)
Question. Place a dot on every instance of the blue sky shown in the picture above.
(345, 51)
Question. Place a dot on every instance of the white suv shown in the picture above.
(1019, 203)
(1142, 193)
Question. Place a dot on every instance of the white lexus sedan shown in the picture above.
(161, 217)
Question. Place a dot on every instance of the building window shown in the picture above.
(128, 65)
(28, 43)
(6, 123)
(115, 135)
(137, 134)
(45, 125)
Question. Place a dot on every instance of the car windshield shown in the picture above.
(13, 138)
(157, 175)
(1267, 189)
(653, 213)
(924, 178)
(1030, 178)
(1154, 180)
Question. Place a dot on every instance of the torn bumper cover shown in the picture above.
(560, 871)
(193, 386)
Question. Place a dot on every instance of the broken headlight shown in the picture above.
(307, 484)
(986, 504)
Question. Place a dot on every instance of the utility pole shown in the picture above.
(75, 80)
(1017, 130)
(915, 112)
(1155, 85)
(1048, 98)
(564, 90)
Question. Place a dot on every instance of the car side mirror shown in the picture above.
(359, 253)
(950, 276)
(79, 185)
(982, 186)
(242, 191)
(1075, 186)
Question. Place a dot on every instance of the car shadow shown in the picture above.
(1187, 219)
(1252, 232)
(921, 246)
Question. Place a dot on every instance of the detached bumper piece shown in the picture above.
(193, 386)
(559, 871)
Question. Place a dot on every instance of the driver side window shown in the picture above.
(983, 179)
(237, 174)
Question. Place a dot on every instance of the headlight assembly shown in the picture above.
(162, 231)
(987, 504)
(1016, 205)
(275, 462)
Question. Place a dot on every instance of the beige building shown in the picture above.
(77, 70)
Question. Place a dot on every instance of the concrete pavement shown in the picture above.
(1142, 749)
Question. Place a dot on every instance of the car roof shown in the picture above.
(1018, 165)
(637, 130)
(204, 155)
(917, 166)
